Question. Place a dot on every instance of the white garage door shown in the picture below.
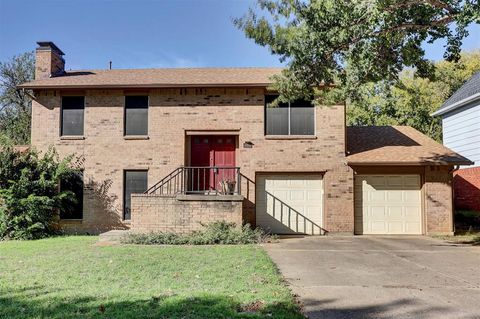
(289, 203)
(388, 204)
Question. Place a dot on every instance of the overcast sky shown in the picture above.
(142, 33)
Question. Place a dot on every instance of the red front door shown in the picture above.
(212, 150)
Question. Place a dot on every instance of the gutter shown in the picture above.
(145, 86)
(456, 105)
(393, 163)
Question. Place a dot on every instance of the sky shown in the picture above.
(144, 33)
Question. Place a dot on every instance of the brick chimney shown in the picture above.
(49, 60)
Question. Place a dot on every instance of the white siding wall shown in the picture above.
(461, 131)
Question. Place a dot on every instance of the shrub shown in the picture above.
(29, 192)
(221, 232)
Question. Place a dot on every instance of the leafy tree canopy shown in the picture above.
(411, 100)
(352, 42)
(15, 105)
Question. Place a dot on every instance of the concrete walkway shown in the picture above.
(112, 236)
(381, 277)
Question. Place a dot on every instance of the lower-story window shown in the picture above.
(74, 184)
(134, 182)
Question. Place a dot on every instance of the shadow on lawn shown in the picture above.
(35, 302)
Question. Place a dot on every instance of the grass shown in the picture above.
(70, 277)
(465, 239)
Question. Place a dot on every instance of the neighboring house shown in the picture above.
(198, 145)
(461, 133)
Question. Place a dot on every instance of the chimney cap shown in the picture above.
(49, 45)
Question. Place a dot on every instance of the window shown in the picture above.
(73, 183)
(72, 115)
(136, 115)
(134, 182)
(294, 118)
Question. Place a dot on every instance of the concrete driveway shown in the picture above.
(381, 277)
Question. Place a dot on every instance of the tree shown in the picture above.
(411, 100)
(353, 42)
(15, 105)
(30, 198)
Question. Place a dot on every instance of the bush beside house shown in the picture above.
(30, 196)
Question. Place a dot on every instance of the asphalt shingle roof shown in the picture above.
(397, 145)
(469, 88)
(184, 77)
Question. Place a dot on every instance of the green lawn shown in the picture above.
(70, 277)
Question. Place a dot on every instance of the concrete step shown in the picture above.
(112, 236)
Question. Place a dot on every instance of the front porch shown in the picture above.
(188, 198)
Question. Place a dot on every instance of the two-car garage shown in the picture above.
(394, 181)
(383, 204)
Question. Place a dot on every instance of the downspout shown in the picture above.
(30, 95)
(453, 170)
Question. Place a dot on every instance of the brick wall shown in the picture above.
(438, 200)
(47, 62)
(152, 213)
(174, 112)
(466, 184)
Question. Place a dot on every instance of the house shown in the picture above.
(169, 149)
(461, 132)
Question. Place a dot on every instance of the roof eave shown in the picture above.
(410, 163)
(456, 105)
(145, 86)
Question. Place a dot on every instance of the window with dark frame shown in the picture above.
(136, 115)
(294, 118)
(72, 117)
(134, 182)
(74, 184)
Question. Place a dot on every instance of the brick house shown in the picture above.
(168, 149)
(461, 132)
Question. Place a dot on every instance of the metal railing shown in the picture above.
(290, 217)
(202, 180)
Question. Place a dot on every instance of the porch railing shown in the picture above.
(201, 180)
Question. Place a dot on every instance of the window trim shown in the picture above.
(295, 136)
(125, 115)
(124, 188)
(61, 117)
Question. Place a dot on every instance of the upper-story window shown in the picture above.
(294, 118)
(136, 115)
(72, 115)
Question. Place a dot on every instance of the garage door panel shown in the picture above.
(280, 194)
(377, 181)
(412, 180)
(290, 203)
(395, 227)
(413, 228)
(297, 195)
(378, 196)
(393, 181)
(395, 213)
(388, 204)
(314, 195)
(413, 196)
(394, 196)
